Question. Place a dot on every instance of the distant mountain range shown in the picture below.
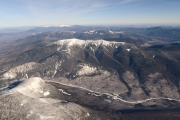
(162, 32)
(40, 39)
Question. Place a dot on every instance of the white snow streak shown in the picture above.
(12, 73)
(64, 92)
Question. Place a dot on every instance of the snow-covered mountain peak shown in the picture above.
(45, 26)
(96, 46)
(32, 87)
(62, 25)
(74, 41)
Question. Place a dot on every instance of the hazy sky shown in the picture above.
(88, 12)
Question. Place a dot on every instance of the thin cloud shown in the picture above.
(68, 6)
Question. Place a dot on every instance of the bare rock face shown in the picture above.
(120, 75)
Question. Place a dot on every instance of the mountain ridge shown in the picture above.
(125, 59)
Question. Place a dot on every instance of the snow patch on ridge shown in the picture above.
(46, 93)
(111, 32)
(86, 70)
(12, 73)
(128, 50)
